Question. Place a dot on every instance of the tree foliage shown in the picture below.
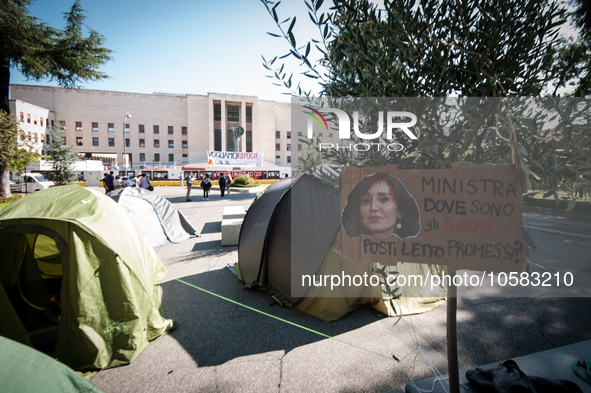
(441, 48)
(14, 144)
(62, 155)
(39, 51)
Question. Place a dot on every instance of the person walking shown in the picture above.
(206, 185)
(228, 182)
(222, 184)
(189, 179)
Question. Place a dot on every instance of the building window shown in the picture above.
(95, 142)
(277, 134)
(330, 135)
(230, 139)
(28, 117)
(249, 141)
(126, 142)
(156, 157)
(35, 120)
(142, 143)
(111, 127)
(141, 128)
(249, 114)
(288, 134)
(142, 157)
(41, 121)
(79, 141)
(126, 127)
(95, 126)
(319, 135)
(233, 113)
(289, 159)
(217, 111)
(184, 130)
(111, 141)
(288, 147)
(277, 146)
(22, 116)
(62, 124)
(156, 142)
(217, 140)
(52, 124)
(78, 126)
(170, 143)
(277, 159)
(156, 129)
(185, 144)
(170, 130)
(299, 147)
(171, 158)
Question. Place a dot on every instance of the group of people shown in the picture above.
(112, 182)
(224, 181)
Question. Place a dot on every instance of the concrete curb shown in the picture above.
(556, 212)
(557, 233)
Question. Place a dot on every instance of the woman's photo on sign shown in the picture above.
(379, 206)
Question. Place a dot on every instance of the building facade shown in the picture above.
(34, 121)
(164, 130)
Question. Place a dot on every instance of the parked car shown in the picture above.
(30, 182)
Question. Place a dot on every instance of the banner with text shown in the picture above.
(229, 158)
(468, 217)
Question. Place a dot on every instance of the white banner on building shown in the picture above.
(231, 158)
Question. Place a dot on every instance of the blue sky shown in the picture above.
(184, 46)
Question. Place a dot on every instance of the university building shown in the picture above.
(164, 130)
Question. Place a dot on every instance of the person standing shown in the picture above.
(105, 183)
(228, 182)
(129, 182)
(222, 184)
(189, 179)
(145, 182)
(206, 185)
(110, 179)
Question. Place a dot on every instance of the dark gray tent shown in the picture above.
(289, 230)
(266, 247)
(158, 219)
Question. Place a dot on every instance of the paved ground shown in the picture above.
(220, 346)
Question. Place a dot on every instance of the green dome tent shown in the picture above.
(75, 267)
(27, 370)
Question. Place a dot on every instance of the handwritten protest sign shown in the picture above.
(467, 217)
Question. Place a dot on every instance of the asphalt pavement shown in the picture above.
(223, 345)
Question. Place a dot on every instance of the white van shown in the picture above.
(30, 182)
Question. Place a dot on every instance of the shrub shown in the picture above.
(242, 180)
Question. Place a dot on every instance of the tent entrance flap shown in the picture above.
(32, 283)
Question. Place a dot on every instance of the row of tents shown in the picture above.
(81, 272)
(79, 279)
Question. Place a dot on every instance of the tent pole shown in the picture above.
(452, 337)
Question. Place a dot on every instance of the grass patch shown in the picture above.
(7, 201)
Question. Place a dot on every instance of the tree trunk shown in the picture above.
(4, 106)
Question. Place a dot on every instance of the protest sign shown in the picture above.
(467, 217)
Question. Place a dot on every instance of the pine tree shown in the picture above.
(39, 51)
(62, 156)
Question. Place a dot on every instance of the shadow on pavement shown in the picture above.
(214, 331)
